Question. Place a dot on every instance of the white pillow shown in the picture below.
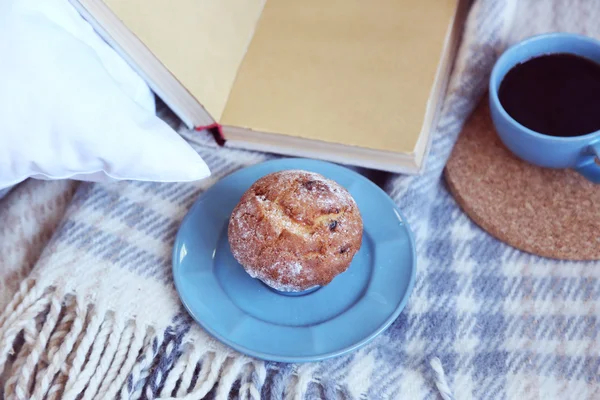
(70, 107)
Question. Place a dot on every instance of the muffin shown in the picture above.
(295, 230)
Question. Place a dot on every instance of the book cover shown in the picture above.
(348, 75)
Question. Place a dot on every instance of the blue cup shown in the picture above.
(577, 152)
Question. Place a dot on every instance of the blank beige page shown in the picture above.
(357, 72)
(202, 42)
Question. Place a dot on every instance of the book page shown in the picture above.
(202, 42)
(345, 71)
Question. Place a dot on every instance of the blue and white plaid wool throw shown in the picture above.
(98, 316)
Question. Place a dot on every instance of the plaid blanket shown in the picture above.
(92, 313)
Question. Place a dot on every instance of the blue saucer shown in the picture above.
(245, 314)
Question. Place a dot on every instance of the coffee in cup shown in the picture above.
(545, 101)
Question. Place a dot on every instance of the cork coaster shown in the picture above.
(551, 213)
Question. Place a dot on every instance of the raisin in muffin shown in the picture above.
(295, 230)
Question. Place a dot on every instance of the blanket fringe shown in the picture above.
(78, 358)
(440, 379)
(191, 366)
(29, 336)
(56, 346)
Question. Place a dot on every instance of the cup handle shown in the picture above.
(588, 167)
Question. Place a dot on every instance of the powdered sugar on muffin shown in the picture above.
(295, 229)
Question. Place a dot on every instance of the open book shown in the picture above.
(351, 81)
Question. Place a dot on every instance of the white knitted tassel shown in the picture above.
(8, 336)
(177, 372)
(249, 389)
(229, 375)
(252, 379)
(167, 352)
(29, 336)
(291, 384)
(140, 370)
(119, 359)
(107, 357)
(35, 295)
(16, 301)
(209, 374)
(83, 348)
(440, 379)
(196, 355)
(63, 328)
(139, 337)
(82, 380)
(55, 391)
(129, 348)
(58, 336)
(245, 382)
(304, 375)
(44, 382)
(36, 352)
